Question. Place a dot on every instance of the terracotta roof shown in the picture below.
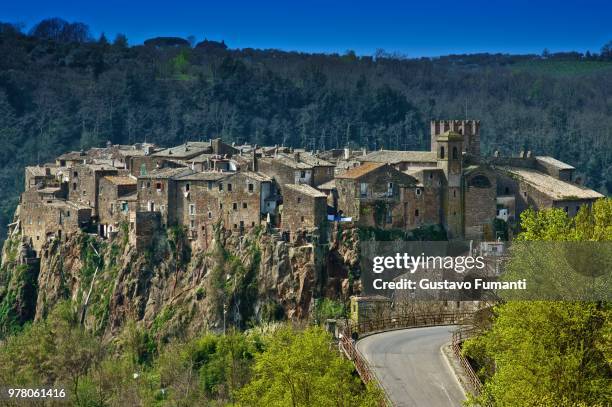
(553, 187)
(306, 190)
(118, 180)
(360, 171)
(396, 156)
(184, 151)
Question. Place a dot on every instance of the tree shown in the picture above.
(301, 369)
(549, 353)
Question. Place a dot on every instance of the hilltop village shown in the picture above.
(291, 192)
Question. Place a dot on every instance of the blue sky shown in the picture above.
(424, 28)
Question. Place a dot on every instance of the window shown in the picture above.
(302, 219)
(363, 189)
(68, 213)
(302, 174)
(192, 209)
(192, 224)
(244, 205)
(229, 187)
(507, 191)
(235, 206)
(158, 186)
(431, 175)
(220, 206)
(454, 193)
(220, 186)
(389, 216)
(76, 174)
(299, 199)
(210, 185)
(209, 215)
(390, 189)
(148, 184)
(416, 213)
(74, 186)
(124, 206)
(251, 188)
(241, 224)
(455, 153)
(418, 191)
(151, 206)
(525, 194)
(186, 187)
(442, 152)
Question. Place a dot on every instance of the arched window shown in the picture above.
(455, 153)
(442, 152)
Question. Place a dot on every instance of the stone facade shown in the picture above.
(117, 199)
(304, 209)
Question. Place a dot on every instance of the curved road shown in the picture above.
(410, 366)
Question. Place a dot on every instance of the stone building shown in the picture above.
(157, 192)
(44, 219)
(117, 199)
(304, 209)
(371, 195)
(299, 167)
(83, 183)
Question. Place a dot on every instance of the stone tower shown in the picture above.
(450, 159)
(470, 129)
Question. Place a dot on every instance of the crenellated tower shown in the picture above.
(469, 129)
(450, 159)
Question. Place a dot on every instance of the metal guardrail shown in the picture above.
(458, 337)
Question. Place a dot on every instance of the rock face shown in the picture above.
(171, 289)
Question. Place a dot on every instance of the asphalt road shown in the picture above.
(411, 367)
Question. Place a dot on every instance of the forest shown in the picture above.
(61, 89)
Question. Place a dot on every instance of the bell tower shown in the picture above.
(449, 156)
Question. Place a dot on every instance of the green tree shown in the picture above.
(302, 369)
(549, 353)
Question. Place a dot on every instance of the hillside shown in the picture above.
(62, 93)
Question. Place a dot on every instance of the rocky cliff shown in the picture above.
(171, 289)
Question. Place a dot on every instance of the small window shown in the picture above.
(220, 186)
(158, 186)
(389, 216)
(192, 224)
(454, 193)
(209, 215)
(235, 206)
(74, 186)
(148, 184)
(416, 213)
(210, 185)
(455, 153)
(244, 205)
(525, 194)
(442, 152)
(186, 187)
(418, 191)
(302, 174)
(299, 200)
(431, 175)
(76, 174)
(363, 189)
(506, 191)
(302, 219)
(220, 206)
(192, 209)
(251, 187)
(68, 212)
(229, 187)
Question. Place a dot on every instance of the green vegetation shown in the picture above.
(279, 367)
(549, 353)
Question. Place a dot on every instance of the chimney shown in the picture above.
(529, 154)
(347, 153)
(364, 152)
(496, 153)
